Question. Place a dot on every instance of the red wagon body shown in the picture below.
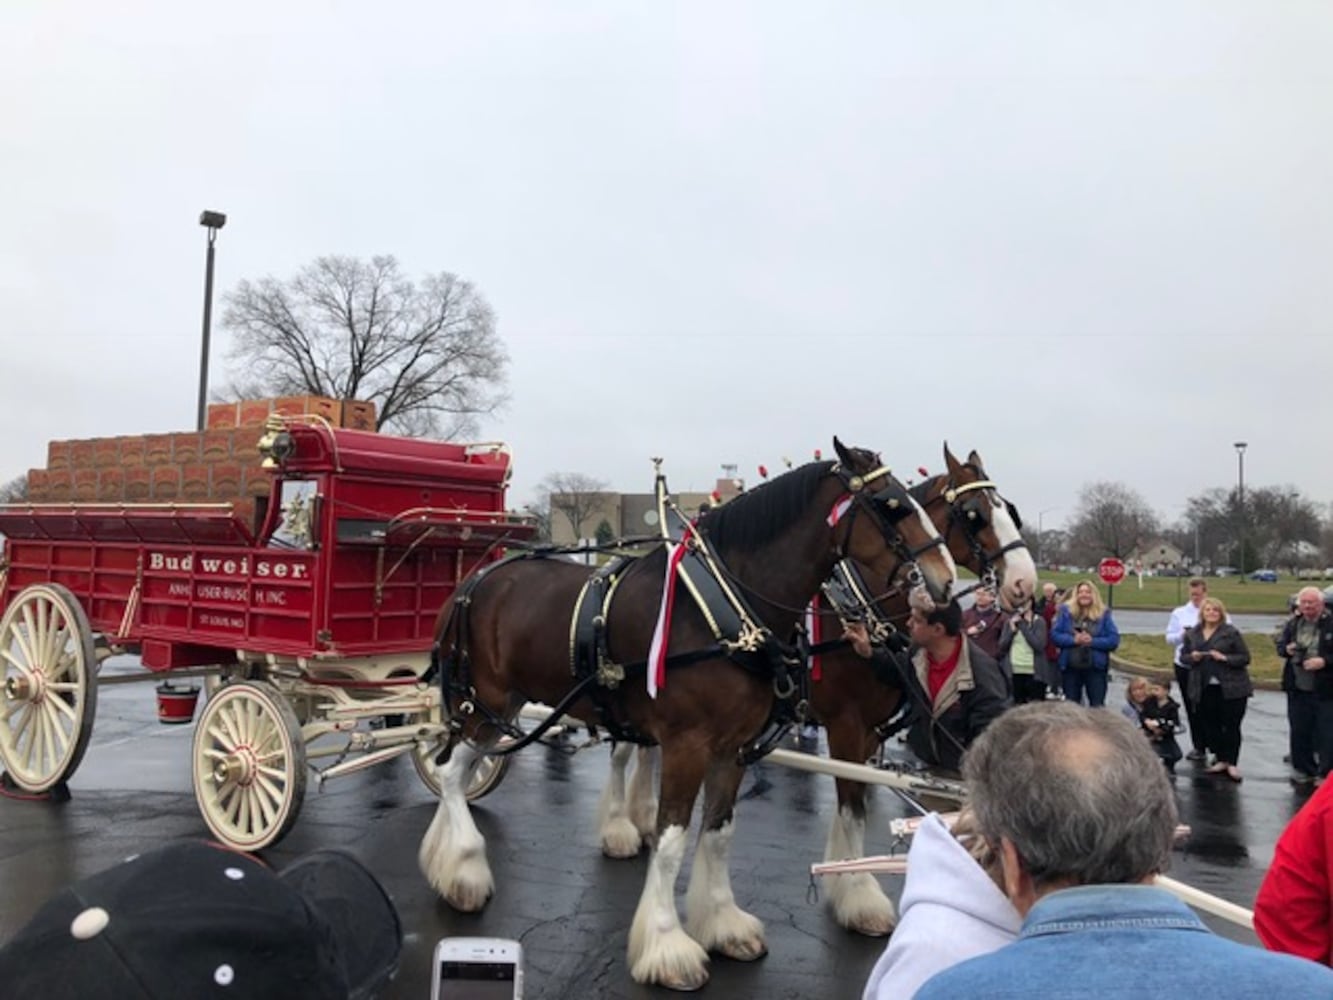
(329, 595)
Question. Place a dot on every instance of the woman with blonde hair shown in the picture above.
(1219, 682)
(1085, 634)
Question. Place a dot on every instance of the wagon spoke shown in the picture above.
(53, 641)
(42, 636)
(243, 813)
(226, 731)
(222, 736)
(61, 664)
(277, 773)
(61, 705)
(245, 722)
(270, 744)
(58, 730)
(268, 798)
(48, 738)
(27, 718)
(22, 637)
(233, 805)
(7, 653)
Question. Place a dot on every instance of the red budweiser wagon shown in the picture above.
(310, 616)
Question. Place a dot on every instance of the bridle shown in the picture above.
(967, 513)
(887, 507)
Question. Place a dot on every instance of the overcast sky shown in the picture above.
(1091, 240)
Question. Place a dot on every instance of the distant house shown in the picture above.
(1157, 555)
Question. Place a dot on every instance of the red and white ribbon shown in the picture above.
(839, 509)
(657, 651)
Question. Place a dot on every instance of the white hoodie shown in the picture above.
(950, 911)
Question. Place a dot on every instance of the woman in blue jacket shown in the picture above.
(1085, 635)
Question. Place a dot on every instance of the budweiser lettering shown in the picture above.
(276, 569)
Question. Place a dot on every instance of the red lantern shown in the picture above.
(818, 454)
(763, 472)
(921, 470)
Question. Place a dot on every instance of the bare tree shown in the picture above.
(427, 354)
(14, 491)
(1275, 520)
(1280, 519)
(575, 495)
(1111, 519)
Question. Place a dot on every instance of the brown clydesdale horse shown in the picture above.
(852, 703)
(508, 643)
(849, 699)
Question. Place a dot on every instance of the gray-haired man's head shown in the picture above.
(1078, 794)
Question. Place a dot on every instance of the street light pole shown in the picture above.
(1040, 515)
(1240, 501)
(212, 221)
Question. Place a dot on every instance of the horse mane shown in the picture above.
(757, 516)
(920, 492)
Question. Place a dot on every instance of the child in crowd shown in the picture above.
(1136, 696)
(1161, 721)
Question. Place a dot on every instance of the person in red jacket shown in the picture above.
(1294, 910)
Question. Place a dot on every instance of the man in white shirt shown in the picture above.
(1183, 618)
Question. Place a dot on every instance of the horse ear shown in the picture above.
(952, 463)
(975, 460)
(845, 455)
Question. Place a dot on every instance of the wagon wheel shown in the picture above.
(249, 765)
(50, 696)
(488, 773)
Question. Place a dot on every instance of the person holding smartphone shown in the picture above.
(1022, 652)
(1086, 635)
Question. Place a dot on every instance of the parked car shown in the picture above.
(1226, 571)
(1264, 576)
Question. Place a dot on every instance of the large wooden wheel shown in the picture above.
(486, 776)
(249, 765)
(49, 694)
(488, 773)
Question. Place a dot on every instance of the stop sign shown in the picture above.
(1111, 570)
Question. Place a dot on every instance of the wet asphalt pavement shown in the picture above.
(570, 907)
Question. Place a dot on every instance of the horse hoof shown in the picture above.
(621, 840)
(873, 925)
(686, 983)
(748, 950)
(468, 898)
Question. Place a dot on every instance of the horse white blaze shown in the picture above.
(659, 949)
(943, 585)
(711, 914)
(1018, 573)
(620, 838)
(453, 852)
(858, 902)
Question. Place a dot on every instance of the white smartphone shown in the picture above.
(473, 968)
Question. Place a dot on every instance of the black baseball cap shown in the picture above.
(196, 920)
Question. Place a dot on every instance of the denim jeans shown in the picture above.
(1077, 681)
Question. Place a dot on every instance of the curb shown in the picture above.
(1143, 670)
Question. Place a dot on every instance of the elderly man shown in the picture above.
(1306, 644)
(1182, 619)
(1083, 818)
